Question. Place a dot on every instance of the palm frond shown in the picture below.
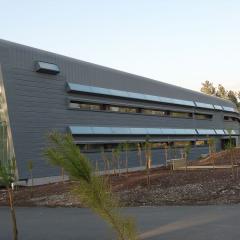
(94, 191)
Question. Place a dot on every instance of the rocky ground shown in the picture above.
(194, 188)
(166, 188)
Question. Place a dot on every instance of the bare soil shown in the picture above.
(196, 187)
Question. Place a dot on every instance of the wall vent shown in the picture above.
(49, 68)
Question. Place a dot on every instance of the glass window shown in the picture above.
(91, 147)
(229, 118)
(200, 116)
(153, 112)
(159, 145)
(90, 106)
(201, 143)
(181, 143)
(123, 109)
(181, 114)
(73, 105)
(85, 106)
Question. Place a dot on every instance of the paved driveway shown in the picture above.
(168, 223)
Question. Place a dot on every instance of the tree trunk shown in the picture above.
(113, 163)
(166, 155)
(62, 175)
(104, 163)
(213, 160)
(127, 161)
(13, 215)
(185, 163)
(140, 157)
(31, 184)
(232, 163)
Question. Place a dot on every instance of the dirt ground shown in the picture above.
(166, 187)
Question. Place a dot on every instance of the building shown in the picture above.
(100, 107)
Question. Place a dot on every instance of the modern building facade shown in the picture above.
(100, 107)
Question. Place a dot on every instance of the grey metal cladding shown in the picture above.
(38, 103)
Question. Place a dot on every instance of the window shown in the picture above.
(153, 112)
(91, 147)
(135, 146)
(108, 147)
(85, 106)
(200, 116)
(201, 143)
(78, 104)
(181, 143)
(181, 114)
(123, 109)
(229, 118)
(159, 145)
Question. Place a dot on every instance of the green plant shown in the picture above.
(30, 169)
(93, 190)
(7, 178)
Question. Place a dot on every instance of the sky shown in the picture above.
(175, 41)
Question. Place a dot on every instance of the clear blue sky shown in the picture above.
(175, 41)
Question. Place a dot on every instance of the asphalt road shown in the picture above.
(168, 223)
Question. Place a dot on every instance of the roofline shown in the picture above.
(112, 69)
